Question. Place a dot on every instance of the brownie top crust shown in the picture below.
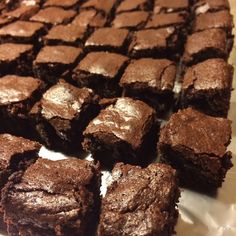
(138, 200)
(170, 5)
(65, 101)
(198, 132)
(58, 54)
(127, 119)
(210, 74)
(60, 3)
(15, 88)
(108, 37)
(21, 29)
(147, 73)
(12, 51)
(131, 5)
(12, 145)
(101, 5)
(102, 63)
(53, 15)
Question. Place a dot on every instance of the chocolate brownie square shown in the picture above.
(16, 59)
(214, 20)
(207, 87)
(16, 154)
(134, 5)
(62, 114)
(108, 39)
(61, 3)
(140, 201)
(212, 43)
(203, 6)
(52, 61)
(100, 71)
(150, 80)
(196, 145)
(90, 18)
(168, 6)
(156, 43)
(121, 132)
(53, 198)
(54, 16)
(21, 32)
(134, 20)
(17, 96)
(65, 34)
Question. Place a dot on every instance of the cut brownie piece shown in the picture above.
(214, 20)
(21, 32)
(90, 18)
(17, 96)
(140, 201)
(108, 39)
(16, 154)
(16, 59)
(156, 43)
(168, 6)
(134, 5)
(54, 16)
(101, 71)
(207, 86)
(150, 80)
(121, 132)
(134, 20)
(53, 198)
(62, 115)
(61, 3)
(65, 34)
(203, 6)
(195, 144)
(52, 61)
(212, 43)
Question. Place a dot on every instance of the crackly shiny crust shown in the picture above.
(53, 195)
(140, 201)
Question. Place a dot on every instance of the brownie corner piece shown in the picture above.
(196, 145)
(52, 61)
(101, 72)
(152, 194)
(69, 198)
(122, 131)
(207, 87)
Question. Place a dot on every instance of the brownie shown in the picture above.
(53, 198)
(140, 201)
(61, 3)
(134, 5)
(214, 20)
(203, 6)
(100, 71)
(175, 19)
(22, 12)
(16, 154)
(211, 43)
(104, 6)
(156, 43)
(16, 59)
(21, 32)
(150, 80)
(170, 6)
(65, 34)
(90, 18)
(52, 61)
(207, 87)
(4, 20)
(108, 39)
(134, 20)
(54, 16)
(62, 114)
(196, 145)
(121, 132)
